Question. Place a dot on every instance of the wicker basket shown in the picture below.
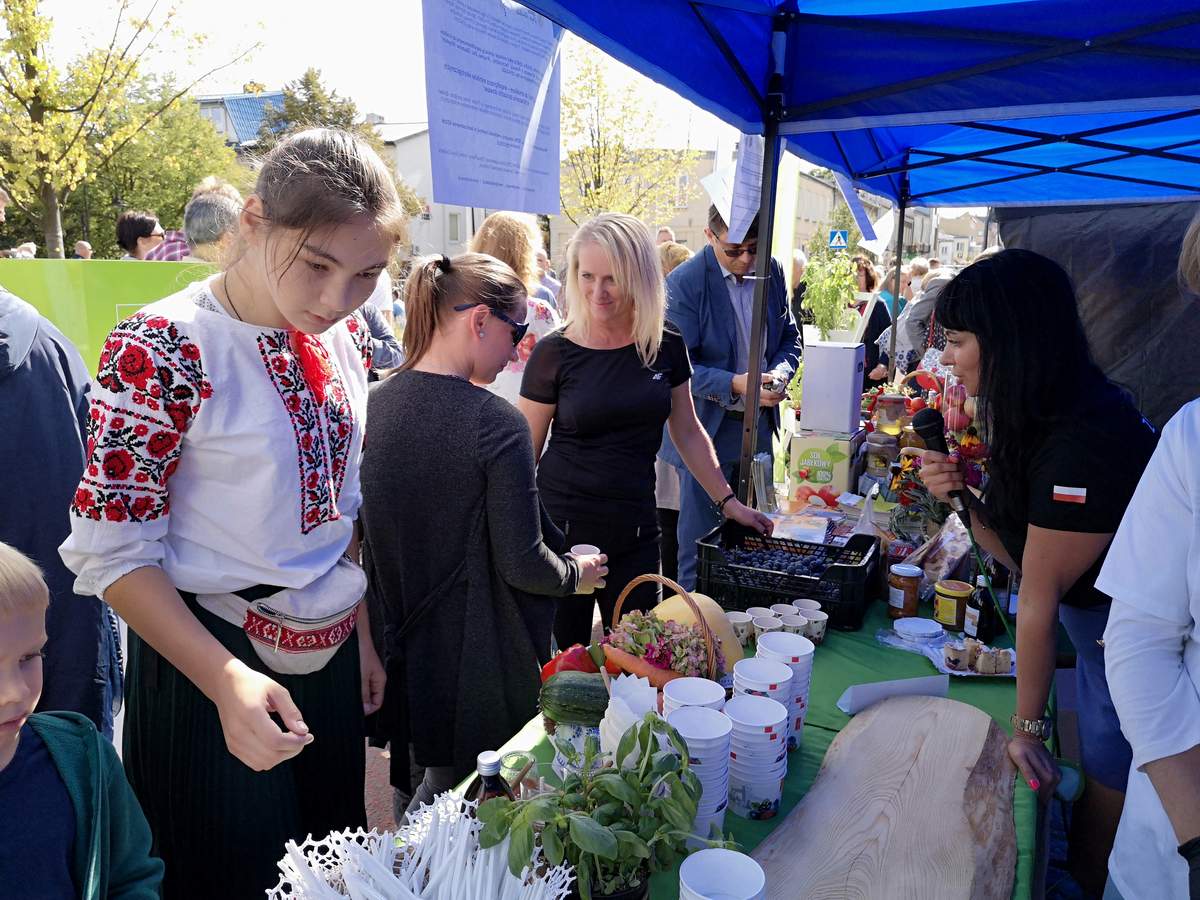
(710, 639)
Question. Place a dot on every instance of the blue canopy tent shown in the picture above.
(931, 102)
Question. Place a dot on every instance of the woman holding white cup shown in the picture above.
(609, 381)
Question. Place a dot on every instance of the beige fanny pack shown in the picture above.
(296, 631)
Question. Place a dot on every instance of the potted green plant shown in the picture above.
(615, 826)
(830, 284)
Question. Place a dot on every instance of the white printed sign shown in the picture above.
(492, 90)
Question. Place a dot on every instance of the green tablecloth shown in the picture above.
(844, 659)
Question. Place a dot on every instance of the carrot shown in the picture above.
(635, 665)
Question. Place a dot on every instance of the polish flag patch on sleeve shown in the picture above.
(1069, 494)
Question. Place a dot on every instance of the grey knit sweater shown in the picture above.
(456, 555)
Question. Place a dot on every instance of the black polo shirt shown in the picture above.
(1082, 477)
(609, 414)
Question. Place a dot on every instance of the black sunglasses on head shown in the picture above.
(518, 328)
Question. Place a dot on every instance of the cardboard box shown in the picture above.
(823, 464)
(831, 396)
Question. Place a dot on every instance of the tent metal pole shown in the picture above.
(772, 110)
(901, 208)
(762, 285)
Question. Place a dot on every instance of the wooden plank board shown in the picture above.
(914, 800)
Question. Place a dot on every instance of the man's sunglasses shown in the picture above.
(735, 252)
(518, 328)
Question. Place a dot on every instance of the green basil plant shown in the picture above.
(616, 827)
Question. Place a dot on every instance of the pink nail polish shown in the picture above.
(1034, 783)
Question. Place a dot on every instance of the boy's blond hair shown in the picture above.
(22, 588)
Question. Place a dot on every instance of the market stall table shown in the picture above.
(847, 658)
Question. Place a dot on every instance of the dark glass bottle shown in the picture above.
(980, 621)
(487, 782)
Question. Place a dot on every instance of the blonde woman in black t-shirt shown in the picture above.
(608, 382)
(1067, 450)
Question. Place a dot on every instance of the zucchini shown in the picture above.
(574, 698)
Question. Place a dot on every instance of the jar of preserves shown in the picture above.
(889, 410)
(910, 438)
(950, 603)
(904, 590)
(882, 451)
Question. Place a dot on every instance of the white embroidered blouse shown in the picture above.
(210, 457)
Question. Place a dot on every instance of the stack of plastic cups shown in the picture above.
(719, 874)
(757, 755)
(764, 678)
(707, 734)
(797, 652)
(680, 692)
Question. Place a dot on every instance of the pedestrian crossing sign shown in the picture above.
(839, 240)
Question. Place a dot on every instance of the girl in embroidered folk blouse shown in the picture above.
(219, 499)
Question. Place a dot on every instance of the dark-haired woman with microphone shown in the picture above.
(1067, 450)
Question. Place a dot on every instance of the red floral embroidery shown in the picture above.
(357, 326)
(149, 387)
(134, 366)
(161, 443)
(323, 431)
(118, 464)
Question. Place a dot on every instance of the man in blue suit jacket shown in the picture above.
(711, 303)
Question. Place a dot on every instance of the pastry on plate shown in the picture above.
(1004, 661)
(974, 648)
(955, 656)
(987, 661)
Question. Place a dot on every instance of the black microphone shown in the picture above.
(931, 428)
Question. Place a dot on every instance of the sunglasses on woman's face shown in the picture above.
(518, 328)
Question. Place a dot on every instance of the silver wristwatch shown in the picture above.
(1035, 728)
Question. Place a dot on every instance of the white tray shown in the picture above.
(932, 650)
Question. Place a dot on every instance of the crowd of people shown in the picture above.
(292, 588)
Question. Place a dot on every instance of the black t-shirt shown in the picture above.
(1081, 479)
(609, 414)
(37, 825)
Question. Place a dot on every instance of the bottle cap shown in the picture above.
(488, 763)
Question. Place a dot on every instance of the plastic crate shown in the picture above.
(848, 584)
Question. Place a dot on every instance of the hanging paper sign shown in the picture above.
(492, 91)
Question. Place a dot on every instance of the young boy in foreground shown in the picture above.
(69, 823)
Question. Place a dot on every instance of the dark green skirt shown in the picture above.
(220, 827)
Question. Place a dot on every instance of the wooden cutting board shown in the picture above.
(914, 800)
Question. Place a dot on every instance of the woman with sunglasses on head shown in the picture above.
(609, 382)
(458, 551)
(1067, 450)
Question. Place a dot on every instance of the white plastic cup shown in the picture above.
(584, 550)
(782, 609)
(815, 630)
(797, 624)
(754, 797)
(742, 624)
(721, 873)
(760, 612)
(764, 677)
(784, 647)
(804, 604)
(756, 715)
(766, 625)
(692, 691)
(705, 731)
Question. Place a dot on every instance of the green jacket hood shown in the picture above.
(111, 857)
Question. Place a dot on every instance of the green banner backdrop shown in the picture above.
(86, 298)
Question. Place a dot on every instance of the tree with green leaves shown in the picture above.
(610, 164)
(157, 170)
(308, 103)
(60, 124)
